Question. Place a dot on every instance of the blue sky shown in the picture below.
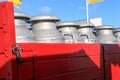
(71, 10)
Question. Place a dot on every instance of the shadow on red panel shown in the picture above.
(55, 62)
(112, 62)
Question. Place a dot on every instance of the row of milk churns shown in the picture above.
(49, 29)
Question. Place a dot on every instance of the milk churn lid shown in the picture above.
(21, 15)
(67, 24)
(105, 27)
(45, 18)
(85, 24)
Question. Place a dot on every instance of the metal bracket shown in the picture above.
(17, 51)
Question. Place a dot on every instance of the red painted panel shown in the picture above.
(111, 49)
(27, 53)
(14, 69)
(60, 59)
(115, 76)
(112, 69)
(88, 74)
(57, 66)
(112, 66)
(100, 78)
(1, 42)
(27, 56)
(65, 50)
(66, 61)
(7, 34)
(55, 51)
(1, 32)
(2, 63)
(94, 49)
(26, 71)
(112, 62)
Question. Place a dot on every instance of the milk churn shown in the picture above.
(69, 31)
(94, 32)
(117, 34)
(44, 29)
(105, 35)
(85, 31)
(22, 32)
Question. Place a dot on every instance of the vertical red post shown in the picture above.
(7, 39)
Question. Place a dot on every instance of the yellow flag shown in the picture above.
(17, 3)
(94, 1)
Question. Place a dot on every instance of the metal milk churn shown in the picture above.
(105, 35)
(44, 29)
(94, 32)
(69, 31)
(85, 31)
(22, 32)
(117, 34)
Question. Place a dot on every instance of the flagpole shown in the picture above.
(87, 11)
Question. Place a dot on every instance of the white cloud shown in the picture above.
(46, 9)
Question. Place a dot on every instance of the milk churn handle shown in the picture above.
(68, 35)
(84, 35)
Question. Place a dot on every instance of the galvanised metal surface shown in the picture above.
(69, 31)
(94, 32)
(44, 29)
(85, 31)
(105, 35)
(117, 34)
(22, 32)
